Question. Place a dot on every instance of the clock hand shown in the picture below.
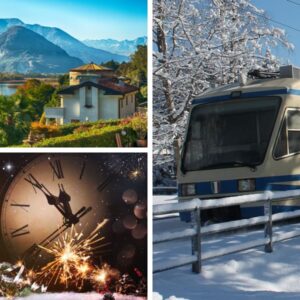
(65, 199)
(34, 249)
(52, 200)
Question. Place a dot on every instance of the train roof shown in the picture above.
(254, 88)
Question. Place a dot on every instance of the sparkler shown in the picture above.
(72, 258)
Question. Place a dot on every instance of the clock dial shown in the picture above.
(50, 191)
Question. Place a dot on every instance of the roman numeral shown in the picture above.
(82, 170)
(20, 231)
(35, 184)
(57, 169)
(20, 205)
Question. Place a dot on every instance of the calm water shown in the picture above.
(7, 89)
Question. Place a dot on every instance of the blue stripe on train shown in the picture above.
(261, 184)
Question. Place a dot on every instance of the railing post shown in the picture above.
(196, 241)
(268, 226)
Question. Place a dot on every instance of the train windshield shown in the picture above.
(229, 134)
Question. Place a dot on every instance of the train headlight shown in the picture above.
(246, 185)
(188, 189)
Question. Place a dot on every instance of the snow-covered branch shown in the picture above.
(198, 44)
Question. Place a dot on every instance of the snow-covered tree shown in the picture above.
(198, 44)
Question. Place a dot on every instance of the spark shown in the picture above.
(133, 166)
(100, 276)
(8, 167)
(136, 174)
(71, 257)
(19, 263)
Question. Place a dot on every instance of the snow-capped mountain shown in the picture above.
(125, 47)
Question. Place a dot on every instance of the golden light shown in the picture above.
(67, 255)
(19, 263)
(100, 276)
(135, 174)
(71, 261)
(83, 268)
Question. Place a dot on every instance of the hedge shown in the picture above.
(103, 137)
(69, 128)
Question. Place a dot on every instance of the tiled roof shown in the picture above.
(91, 67)
(122, 87)
(110, 87)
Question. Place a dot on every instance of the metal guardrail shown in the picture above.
(196, 205)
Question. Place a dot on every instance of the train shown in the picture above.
(240, 139)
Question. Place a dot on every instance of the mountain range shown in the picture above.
(125, 47)
(24, 51)
(71, 46)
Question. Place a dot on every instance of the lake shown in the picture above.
(7, 89)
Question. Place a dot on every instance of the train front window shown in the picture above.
(289, 137)
(229, 134)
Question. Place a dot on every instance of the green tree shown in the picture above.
(136, 68)
(14, 122)
(64, 80)
(114, 65)
(35, 94)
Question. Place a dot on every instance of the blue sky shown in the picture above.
(84, 19)
(286, 12)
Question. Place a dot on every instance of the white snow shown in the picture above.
(74, 296)
(220, 202)
(251, 274)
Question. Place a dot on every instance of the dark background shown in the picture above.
(124, 252)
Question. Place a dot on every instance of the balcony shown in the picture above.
(54, 112)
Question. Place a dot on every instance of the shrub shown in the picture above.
(103, 137)
(139, 125)
(47, 130)
(81, 128)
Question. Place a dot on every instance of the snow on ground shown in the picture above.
(74, 296)
(252, 274)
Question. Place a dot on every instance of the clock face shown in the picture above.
(50, 191)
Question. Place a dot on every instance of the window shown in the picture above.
(131, 98)
(88, 99)
(229, 134)
(126, 100)
(288, 142)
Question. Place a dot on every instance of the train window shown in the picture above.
(230, 134)
(288, 142)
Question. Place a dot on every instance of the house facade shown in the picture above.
(95, 93)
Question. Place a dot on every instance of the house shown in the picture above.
(94, 93)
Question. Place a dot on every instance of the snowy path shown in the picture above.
(246, 275)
